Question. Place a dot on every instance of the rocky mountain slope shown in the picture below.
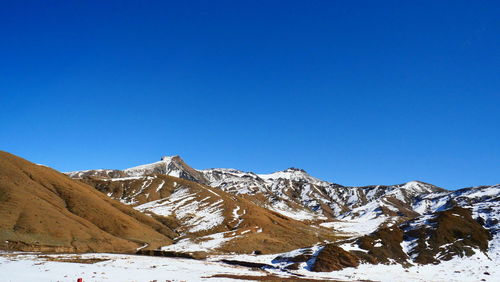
(42, 209)
(408, 223)
(292, 192)
(296, 223)
(208, 219)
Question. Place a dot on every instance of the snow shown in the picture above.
(209, 190)
(360, 221)
(196, 215)
(414, 186)
(236, 216)
(408, 245)
(124, 178)
(141, 170)
(160, 186)
(431, 202)
(167, 206)
(297, 214)
(287, 174)
(172, 166)
(203, 218)
(352, 247)
(235, 212)
(21, 267)
(356, 227)
(484, 192)
(458, 269)
(142, 247)
(203, 244)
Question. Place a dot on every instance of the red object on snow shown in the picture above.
(79, 280)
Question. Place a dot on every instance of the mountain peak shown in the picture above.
(170, 158)
(169, 165)
(294, 169)
(420, 186)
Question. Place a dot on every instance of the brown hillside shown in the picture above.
(42, 209)
(247, 226)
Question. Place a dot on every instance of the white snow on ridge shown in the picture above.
(196, 215)
(125, 178)
(162, 166)
(292, 174)
(297, 214)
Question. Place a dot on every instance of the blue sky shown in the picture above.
(354, 92)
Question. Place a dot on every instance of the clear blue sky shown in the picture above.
(354, 92)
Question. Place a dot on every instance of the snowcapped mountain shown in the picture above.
(173, 166)
(409, 223)
(292, 192)
(207, 219)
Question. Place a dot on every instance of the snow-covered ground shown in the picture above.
(203, 244)
(474, 268)
(37, 267)
(32, 267)
(356, 227)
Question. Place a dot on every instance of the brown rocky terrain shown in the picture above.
(198, 211)
(44, 210)
(442, 236)
(449, 233)
(146, 209)
(332, 258)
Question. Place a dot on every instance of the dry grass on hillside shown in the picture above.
(44, 210)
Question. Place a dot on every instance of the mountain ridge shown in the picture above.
(283, 190)
(175, 166)
(373, 224)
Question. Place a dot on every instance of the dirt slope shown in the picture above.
(42, 209)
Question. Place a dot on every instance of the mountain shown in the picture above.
(452, 225)
(409, 223)
(173, 166)
(291, 192)
(44, 210)
(208, 219)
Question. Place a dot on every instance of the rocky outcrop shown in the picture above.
(332, 258)
(446, 234)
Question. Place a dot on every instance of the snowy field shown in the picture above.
(39, 267)
(32, 267)
(475, 268)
